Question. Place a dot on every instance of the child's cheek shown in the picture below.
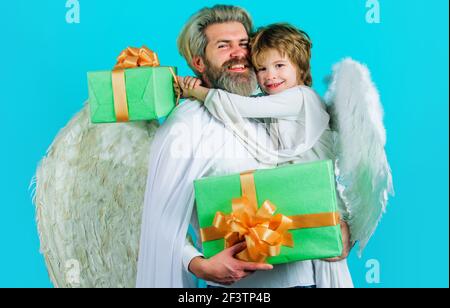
(260, 78)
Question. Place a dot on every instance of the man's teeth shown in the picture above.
(237, 67)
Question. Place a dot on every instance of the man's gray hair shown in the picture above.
(192, 40)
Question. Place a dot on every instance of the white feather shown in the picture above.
(363, 174)
(89, 194)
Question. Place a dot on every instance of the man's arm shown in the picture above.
(169, 199)
(189, 252)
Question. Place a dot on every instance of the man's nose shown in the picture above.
(239, 52)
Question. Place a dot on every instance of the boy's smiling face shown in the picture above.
(276, 73)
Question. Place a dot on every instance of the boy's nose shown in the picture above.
(270, 75)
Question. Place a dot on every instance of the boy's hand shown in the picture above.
(177, 89)
(186, 85)
(191, 83)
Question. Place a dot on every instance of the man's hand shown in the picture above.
(347, 246)
(224, 268)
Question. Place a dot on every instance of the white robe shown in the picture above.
(190, 145)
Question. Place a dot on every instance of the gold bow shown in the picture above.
(135, 57)
(263, 232)
(131, 57)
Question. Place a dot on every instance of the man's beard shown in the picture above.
(238, 83)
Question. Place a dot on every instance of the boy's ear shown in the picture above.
(199, 64)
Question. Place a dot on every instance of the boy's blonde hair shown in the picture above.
(287, 40)
(192, 40)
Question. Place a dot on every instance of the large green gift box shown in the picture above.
(303, 192)
(149, 92)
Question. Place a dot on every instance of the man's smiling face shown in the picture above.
(226, 64)
(228, 42)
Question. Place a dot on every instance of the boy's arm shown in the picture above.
(285, 104)
(199, 93)
(191, 87)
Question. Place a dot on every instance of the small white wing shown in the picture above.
(362, 171)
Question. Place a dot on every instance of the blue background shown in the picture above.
(43, 84)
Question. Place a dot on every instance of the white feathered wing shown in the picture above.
(363, 174)
(89, 194)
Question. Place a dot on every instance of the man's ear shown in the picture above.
(199, 64)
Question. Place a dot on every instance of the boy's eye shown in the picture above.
(279, 65)
(261, 69)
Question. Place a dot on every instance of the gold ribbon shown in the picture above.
(263, 232)
(131, 58)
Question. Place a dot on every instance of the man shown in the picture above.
(191, 145)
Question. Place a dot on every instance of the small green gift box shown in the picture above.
(149, 94)
(284, 214)
(137, 89)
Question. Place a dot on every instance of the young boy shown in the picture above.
(298, 119)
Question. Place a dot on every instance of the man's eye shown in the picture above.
(244, 45)
(222, 46)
